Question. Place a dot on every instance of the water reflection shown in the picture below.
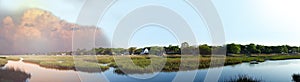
(13, 75)
(278, 71)
(296, 77)
(41, 74)
(18, 71)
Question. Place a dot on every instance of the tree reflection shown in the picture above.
(296, 77)
(13, 75)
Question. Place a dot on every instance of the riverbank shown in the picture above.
(4, 59)
(230, 73)
(2, 62)
(66, 63)
(13, 75)
(172, 63)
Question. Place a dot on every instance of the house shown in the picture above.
(63, 54)
(146, 51)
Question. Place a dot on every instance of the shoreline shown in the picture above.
(172, 64)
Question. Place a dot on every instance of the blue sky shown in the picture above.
(267, 22)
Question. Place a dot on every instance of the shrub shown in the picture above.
(244, 78)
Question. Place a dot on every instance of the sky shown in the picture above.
(266, 22)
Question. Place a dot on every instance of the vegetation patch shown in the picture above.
(64, 63)
(173, 63)
(143, 62)
(244, 78)
(284, 57)
(13, 58)
(105, 59)
(137, 64)
(2, 62)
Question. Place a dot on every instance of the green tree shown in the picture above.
(294, 50)
(251, 48)
(233, 48)
(205, 49)
(99, 51)
(138, 51)
(260, 48)
(107, 51)
(118, 51)
(284, 49)
(156, 50)
(131, 50)
(267, 50)
(172, 50)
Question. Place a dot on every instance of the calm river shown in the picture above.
(279, 71)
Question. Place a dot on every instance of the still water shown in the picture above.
(279, 71)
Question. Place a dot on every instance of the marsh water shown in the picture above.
(280, 70)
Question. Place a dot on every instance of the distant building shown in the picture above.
(63, 54)
(146, 51)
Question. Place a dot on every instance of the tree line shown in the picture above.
(261, 49)
(199, 49)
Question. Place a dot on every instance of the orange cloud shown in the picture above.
(40, 32)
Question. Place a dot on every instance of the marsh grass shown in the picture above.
(13, 58)
(4, 59)
(244, 78)
(137, 64)
(172, 62)
(105, 59)
(238, 60)
(64, 63)
(2, 62)
(284, 57)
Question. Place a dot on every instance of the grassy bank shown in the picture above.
(4, 59)
(139, 64)
(173, 62)
(2, 62)
(58, 62)
(64, 63)
(13, 58)
(167, 63)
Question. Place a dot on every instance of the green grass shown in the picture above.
(140, 63)
(137, 64)
(58, 65)
(284, 57)
(4, 59)
(237, 60)
(64, 63)
(105, 59)
(13, 58)
(173, 63)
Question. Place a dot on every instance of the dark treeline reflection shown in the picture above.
(296, 77)
(13, 75)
